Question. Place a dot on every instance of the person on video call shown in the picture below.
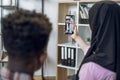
(101, 61)
(25, 37)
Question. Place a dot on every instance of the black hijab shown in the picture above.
(104, 19)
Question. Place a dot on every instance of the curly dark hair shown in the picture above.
(25, 33)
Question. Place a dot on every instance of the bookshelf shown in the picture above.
(6, 7)
(64, 8)
(72, 7)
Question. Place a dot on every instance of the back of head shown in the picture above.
(25, 33)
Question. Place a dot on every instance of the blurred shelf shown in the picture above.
(83, 24)
(73, 45)
(61, 24)
(92, 1)
(9, 7)
(68, 67)
(67, 1)
(5, 59)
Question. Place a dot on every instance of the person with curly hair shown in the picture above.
(25, 37)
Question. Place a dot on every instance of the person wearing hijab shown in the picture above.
(101, 61)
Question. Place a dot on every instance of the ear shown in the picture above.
(42, 57)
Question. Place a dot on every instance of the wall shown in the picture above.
(51, 12)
